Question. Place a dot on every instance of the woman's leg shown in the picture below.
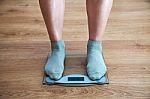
(98, 13)
(53, 14)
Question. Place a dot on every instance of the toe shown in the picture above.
(95, 76)
(55, 76)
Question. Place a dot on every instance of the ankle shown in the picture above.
(94, 45)
(58, 45)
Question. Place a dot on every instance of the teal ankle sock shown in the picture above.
(96, 67)
(55, 64)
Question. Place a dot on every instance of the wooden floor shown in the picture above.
(24, 46)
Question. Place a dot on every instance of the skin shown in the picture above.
(97, 12)
(53, 14)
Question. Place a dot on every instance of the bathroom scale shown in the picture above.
(75, 80)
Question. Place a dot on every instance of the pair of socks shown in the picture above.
(96, 67)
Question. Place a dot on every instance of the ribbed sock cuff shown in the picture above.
(57, 45)
(94, 45)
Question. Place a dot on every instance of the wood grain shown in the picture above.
(24, 46)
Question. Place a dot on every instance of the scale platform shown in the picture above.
(75, 80)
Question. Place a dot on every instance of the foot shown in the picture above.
(96, 67)
(55, 64)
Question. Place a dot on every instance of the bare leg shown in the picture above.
(98, 12)
(53, 13)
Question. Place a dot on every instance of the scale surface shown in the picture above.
(75, 80)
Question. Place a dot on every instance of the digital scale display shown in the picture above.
(75, 78)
